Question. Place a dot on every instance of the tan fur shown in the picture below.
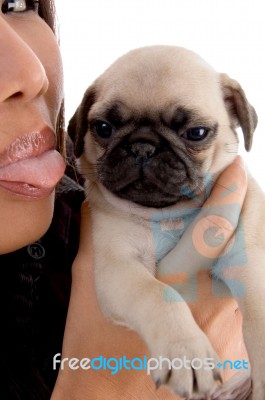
(151, 79)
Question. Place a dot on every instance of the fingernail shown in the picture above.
(239, 161)
(158, 384)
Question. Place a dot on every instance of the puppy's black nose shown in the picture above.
(142, 151)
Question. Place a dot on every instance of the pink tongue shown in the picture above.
(42, 172)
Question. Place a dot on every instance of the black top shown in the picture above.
(34, 295)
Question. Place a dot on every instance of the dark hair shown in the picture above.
(48, 13)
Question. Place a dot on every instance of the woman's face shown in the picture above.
(30, 97)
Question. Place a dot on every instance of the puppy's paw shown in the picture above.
(187, 365)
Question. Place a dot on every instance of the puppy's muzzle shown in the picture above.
(145, 168)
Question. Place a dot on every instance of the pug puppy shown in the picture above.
(146, 134)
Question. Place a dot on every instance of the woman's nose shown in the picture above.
(22, 76)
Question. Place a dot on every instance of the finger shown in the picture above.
(206, 237)
(231, 186)
(220, 213)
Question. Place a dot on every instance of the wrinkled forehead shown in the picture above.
(152, 80)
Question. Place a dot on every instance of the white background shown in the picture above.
(229, 34)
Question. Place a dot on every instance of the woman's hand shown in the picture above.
(89, 334)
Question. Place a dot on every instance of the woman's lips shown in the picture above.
(31, 166)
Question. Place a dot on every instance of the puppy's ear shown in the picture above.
(241, 112)
(78, 124)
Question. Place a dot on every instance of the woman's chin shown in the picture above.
(24, 222)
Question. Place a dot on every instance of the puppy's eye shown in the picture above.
(196, 134)
(103, 129)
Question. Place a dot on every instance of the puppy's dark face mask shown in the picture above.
(150, 138)
(149, 159)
